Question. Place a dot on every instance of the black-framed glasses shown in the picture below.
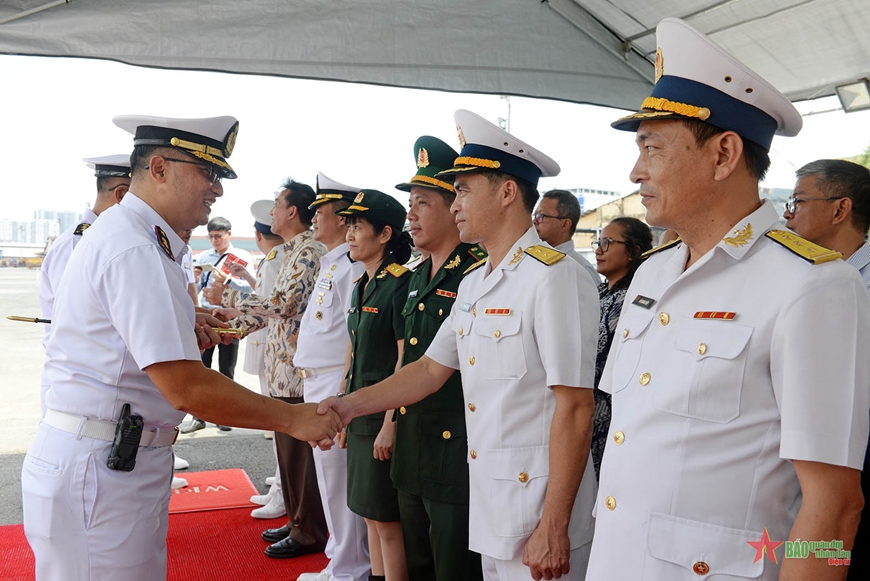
(538, 217)
(604, 243)
(214, 175)
(792, 203)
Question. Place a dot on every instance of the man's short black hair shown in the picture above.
(527, 189)
(300, 195)
(219, 223)
(837, 178)
(567, 206)
(756, 157)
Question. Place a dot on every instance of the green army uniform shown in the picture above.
(375, 325)
(430, 466)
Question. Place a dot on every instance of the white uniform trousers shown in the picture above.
(347, 547)
(276, 486)
(85, 521)
(499, 570)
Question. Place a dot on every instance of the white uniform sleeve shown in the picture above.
(822, 386)
(145, 297)
(443, 350)
(568, 353)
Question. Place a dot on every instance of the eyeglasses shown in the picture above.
(213, 174)
(792, 203)
(538, 217)
(604, 243)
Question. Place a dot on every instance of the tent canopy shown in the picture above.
(594, 51)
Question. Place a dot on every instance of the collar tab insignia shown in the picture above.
(453, 263)
(80, 229)
(517, 256)
(163, 242)
(741, 237)
(478, 252)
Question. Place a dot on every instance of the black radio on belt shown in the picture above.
(128, 433)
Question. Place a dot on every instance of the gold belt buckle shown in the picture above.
(303, 373)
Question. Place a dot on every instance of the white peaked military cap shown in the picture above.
(116, 166)
(329, 190)
(696, 79)
(486, 146)
(261, 210)
(211, 139)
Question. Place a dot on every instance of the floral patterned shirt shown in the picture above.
(281, 312)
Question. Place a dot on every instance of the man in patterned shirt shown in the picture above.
(282, 313)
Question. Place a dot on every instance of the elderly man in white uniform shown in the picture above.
(320, 358)
(739, 373)
(125, 337)
(526, 376)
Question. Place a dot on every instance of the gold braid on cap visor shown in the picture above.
(432, 181)
(662, 104)
(477, 161)
(203, 152)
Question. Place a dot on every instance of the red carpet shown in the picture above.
(218, 545)
(213, 490)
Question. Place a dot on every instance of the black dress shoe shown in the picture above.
(289, 548)
(275, 535)
(196, 424)
(223, 428)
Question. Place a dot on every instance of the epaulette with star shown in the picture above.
(80, 229)
(163, 242)
(545, 254)
(807, 250)
(473, 266)
(397, 270)
(665, 246)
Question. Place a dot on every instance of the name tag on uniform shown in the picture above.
(643, 301)
(324, 284)
(444, 293)
(465, 307)
(412, 294)
(370, 309)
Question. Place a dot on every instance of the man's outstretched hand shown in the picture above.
(311, 425)
(333, 405)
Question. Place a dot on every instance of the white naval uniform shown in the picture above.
(709, 412)
(53, 267)
(122, 306)
(322, 345)
(568, 248)
(186, 262)
(508, 359)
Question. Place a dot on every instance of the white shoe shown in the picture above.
(274, 509)
(270, 480)
(261, 499)
(178, 482)
(269, 435)
(181, 463)
(322, 576)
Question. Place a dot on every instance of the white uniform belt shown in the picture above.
(306, 373)
(100, 430)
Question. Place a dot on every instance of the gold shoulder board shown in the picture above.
(80, 229)
(357, 279)
(807, 250)
(477, 252)
(548, 256)
(652, 251)
(473, 266)
(396, 269)
(272, 255)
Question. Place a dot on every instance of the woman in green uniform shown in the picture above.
(375, 221)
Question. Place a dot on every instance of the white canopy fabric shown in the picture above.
(594, 51)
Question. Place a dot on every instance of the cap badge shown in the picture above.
(461, 136)
(422, 158)
(359, 198)
(741, 237)
(230, 141)
(660, 64)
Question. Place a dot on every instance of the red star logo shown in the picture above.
(765, 545)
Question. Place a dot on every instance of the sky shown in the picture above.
(57, 111)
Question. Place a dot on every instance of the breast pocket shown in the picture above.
(499, 343)
(518, 485)
(323, 309)
(707, 377)
(683, 549)
(627, 345)
(461, 324)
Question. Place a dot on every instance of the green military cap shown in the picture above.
(329, 190)
(377, 206)
(433, 156)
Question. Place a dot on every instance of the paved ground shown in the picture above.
(21, 358)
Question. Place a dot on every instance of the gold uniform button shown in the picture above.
(446, 435)
(402, 410)
(413, 341)
(664, 318)
(702, 348)
(497, 334)
(421, 306)
(523, 477)
(644, 378)
(625, 333)
(619, 437)
(610, 503)
(471, 407)
(701, 568)
(471, 360)
(318, 315)
(460, 330)
(473, 312)
(440, 312)
(352, 332)
(473, 454)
